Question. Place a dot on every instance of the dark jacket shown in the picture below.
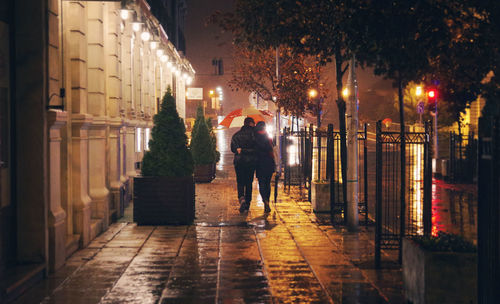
(244, 139)
(265, 156)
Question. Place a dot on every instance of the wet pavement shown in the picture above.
(290, 255)
(454, 209)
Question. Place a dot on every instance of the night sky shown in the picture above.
(205, 42)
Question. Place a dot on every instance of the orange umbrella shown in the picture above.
(236, 118)
(387, 122)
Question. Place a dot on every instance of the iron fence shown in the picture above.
(314, 155)
(403, 188)
(463, 158)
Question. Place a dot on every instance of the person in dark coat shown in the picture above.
(265, 163)
(243, 146)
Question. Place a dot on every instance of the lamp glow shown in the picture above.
(159, 52)
(189, 80)
(418, 91)
(164, 58)
(145, 36)
(313, 93)
(345, 92)
(124, 14)
(153, 45)
(169, 64)
(136, 26)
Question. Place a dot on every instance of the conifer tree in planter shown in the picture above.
(214, 139)
(164, 193)
(203, 149)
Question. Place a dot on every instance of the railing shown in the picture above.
(314, 155)
(403, 188)
(463, 158)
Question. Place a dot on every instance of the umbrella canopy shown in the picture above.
(236, 118)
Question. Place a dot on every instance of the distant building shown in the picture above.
(80, 82)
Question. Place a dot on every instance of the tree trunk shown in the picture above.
(342, 127)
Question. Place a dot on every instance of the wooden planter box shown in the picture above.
(164, 200)
(438, 277)
(204, 173)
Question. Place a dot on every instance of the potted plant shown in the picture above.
(439, 269)
(203, 149)
(214, 141)
(165, 191)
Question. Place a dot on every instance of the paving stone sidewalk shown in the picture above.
(288, 256)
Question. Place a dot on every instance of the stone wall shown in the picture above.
(114, 80)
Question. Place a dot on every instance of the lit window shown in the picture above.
(138, 140)
(147, 138)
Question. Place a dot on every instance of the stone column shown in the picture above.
(75, 18)
(57, 216)
(126, 110)
(113, 47)
(99, 193)
(181, 97)
(80, 183)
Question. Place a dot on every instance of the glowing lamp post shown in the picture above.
(313, 93)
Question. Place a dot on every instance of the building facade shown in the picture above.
(80, 82)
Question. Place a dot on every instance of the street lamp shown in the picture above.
(313, 93)
(145, 36)
(345, 92)
(418, 91)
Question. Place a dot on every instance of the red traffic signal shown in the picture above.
(431, 95)
(432, 99)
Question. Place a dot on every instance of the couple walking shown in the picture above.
(253, 153)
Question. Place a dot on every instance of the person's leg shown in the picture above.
(265, 190)
(249, 173)
(240, 180)
(267, 187)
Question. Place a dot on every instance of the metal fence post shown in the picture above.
(330, 171)
(329, 150)
(427, 204)
(365, 165)
(309, 159)
(318, 143)
(378, 194)
(403, 192)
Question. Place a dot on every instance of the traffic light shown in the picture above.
(432, 99)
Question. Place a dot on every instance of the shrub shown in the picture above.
(169, 154)
(202, 144)
(214, 139)
(444, 242)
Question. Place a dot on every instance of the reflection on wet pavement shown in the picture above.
(454, 209)
(288, 256)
